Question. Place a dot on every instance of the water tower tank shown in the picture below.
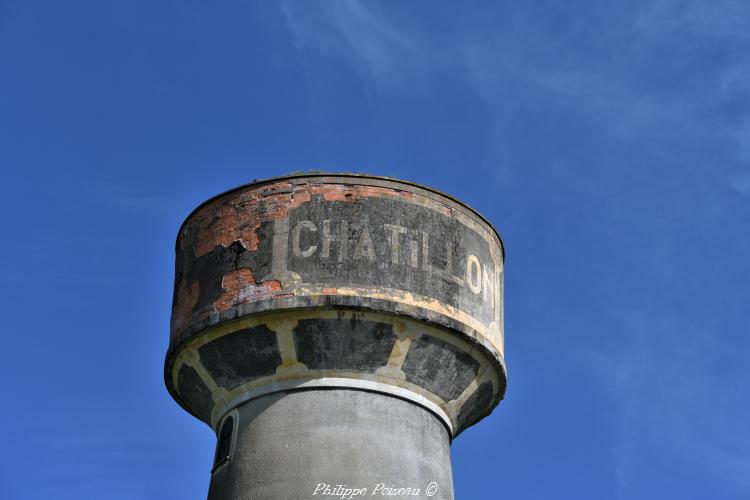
(337, 332)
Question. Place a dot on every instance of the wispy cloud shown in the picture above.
(604, 95)
(668, 377)
(675, 397)
(718, 18)
(692, 115)
(671, 367)
(356, 31)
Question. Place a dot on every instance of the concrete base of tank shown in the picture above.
(334, 443)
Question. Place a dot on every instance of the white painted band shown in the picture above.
(330, 382)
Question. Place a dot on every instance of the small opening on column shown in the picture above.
(224, 443)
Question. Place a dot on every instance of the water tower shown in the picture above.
(337, 332)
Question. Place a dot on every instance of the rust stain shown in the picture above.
(240, 287)
(187, 298)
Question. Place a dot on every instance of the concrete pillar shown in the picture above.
(336, 332)
(298, 444)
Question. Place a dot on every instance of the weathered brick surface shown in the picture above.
(236, 219)
(241, 287)
(296, 263)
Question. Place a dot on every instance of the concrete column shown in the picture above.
(334, 443)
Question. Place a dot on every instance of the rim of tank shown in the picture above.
(260, 182)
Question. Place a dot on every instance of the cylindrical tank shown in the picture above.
(336, 331)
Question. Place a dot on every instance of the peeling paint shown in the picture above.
(241, 287)
(305, 264)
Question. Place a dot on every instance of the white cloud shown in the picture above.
(717, 18)
(670, 380)
(357, 31)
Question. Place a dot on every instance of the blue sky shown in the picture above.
(608, 141)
